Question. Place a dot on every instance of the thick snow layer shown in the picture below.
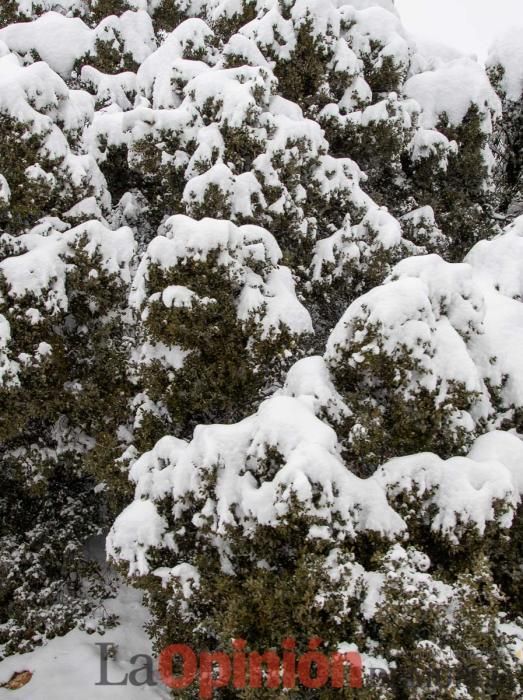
(462, 491)
(5, 191)
(429, 307)
(28, 93)
(42, 261)
(499, 262)
(166, 66)
(233, 93)
(8, 367)
(430, 55)
(503, 447)
(507, 53)
(322, 14)
(117, 89)
(309, 381)
(498, 268)
(239, 249)
(272, 34)
(240, 46)
(280, 303)
(135, 31)
(455, 494)
(452, 89)
(503, 340)
(429, 142)
(311, 470)
(376, 24)
(58, 40)
(70, 665)
(135, 531)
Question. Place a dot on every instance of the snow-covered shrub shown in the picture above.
(295, 174)
(63, 296)
(461, 652)
(401, 359)
(120, 43)
(435, 149)
(373, 134)
(229, 148)
(425, 361)
(460, 191)
(497, 265)
(41, 172)
(219, 320)
(48, 510)
(357, 258)
(261, 530)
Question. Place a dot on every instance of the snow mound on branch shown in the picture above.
(376, 24)
(240, 46)
(462, 491)
(8, 366)
(452, 89)
(41, 260)
(311, 471)
(280, 304)
(507, 53)
(253, 488)
(309, 381)
(166, 65)
(185, 238)
(5, 191)
(232, 93)
(135, 30)
(117, 89)
(429, 307)
(28, 93)
(60, 41)
(240, 249)
(139, 528)
(503, 447)
(498, 267)
(503, 340)
(500, 261)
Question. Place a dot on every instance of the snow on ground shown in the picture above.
(69, 667)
